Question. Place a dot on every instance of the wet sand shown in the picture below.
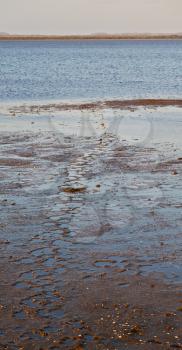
(91, 229)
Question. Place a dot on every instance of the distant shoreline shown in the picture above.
(90, 37)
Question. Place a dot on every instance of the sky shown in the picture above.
(90, 16)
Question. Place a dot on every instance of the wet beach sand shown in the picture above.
(90, 229)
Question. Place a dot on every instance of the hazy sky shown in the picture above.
(90, 16)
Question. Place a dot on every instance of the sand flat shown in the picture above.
(99, 268)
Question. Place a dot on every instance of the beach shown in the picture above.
(91, 225)
(90, 192)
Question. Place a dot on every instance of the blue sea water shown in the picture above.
(68, 70)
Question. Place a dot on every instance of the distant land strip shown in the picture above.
(95, 105)
(10, 37)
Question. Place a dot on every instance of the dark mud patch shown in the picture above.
(98, 105)
(12, 162)
(74, 190)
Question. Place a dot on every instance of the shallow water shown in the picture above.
(129, 167)
(90, 209)
(90, 70)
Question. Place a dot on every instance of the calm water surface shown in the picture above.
(90, 70)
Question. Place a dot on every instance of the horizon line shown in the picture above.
(136, 35)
